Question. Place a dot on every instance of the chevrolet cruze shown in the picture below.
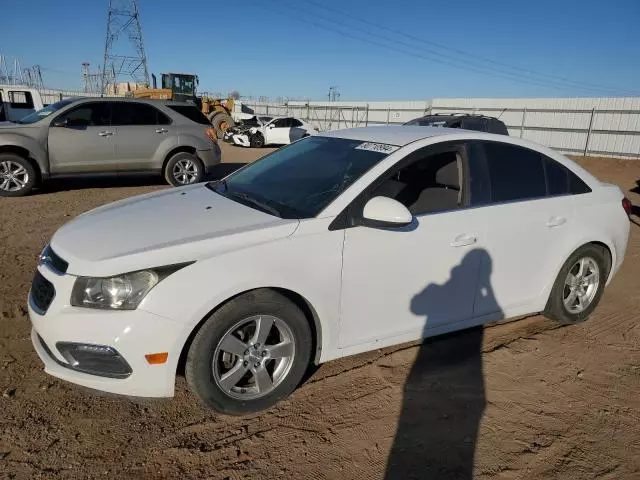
(337, 244)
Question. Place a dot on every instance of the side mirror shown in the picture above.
(270, 126)
(64, 122)
(385, 212)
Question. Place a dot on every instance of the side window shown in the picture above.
(131, 113)
(561, 180)
(557, 177)
(96, 114)
(295, 122)
(430, 184)
(516, 173)
(20, 99)
(280, 123)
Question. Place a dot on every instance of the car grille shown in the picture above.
(42, 292)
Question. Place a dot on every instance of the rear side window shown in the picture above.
(20, 99)
(562, 181)
(192, 113)
(516, 173)
(130, 113)
(296, 122)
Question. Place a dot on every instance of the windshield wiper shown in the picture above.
(256, 203)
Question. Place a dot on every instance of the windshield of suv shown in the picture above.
(45, 112)
(299, 180)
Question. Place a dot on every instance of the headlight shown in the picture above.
(121, 292)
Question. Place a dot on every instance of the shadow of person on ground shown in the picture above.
(444, 396)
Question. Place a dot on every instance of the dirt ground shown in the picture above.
(522, 400)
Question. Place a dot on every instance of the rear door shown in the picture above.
(82, 141)
(522, 198)
(297, 130)
(139, 129)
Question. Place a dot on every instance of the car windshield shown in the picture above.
(301, 179)
(45, 112)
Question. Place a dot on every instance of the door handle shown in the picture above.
(556, 222)
(463, 240)
(162, 130)
(105, 134)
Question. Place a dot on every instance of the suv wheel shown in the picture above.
(579, 285)
(17, 175)
(184, 169)
(251, 353)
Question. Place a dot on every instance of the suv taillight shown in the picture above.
(627, 205)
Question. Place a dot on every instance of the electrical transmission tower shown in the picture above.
(91, 82)
(124, 57)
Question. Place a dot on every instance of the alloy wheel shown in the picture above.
(13, 176)
(185, 171)
(254, 357)
(581, 285)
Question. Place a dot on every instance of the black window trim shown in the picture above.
(351, 215)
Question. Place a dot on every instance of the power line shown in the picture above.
(424, 53)
(406, 52)
(476, 57)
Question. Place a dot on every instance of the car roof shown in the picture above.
(399, 135)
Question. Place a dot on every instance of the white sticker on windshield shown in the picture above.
(377, 147)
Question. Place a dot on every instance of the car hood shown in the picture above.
(162, 228)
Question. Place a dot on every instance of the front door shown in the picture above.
(83, 141)
(139, 130)
(277, 132)
(402, 282)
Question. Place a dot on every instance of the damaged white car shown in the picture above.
(259, 131)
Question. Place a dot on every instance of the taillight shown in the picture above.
(627, 205)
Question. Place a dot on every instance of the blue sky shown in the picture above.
(293, 48)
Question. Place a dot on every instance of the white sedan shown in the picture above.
(338, 244)
(276, 131)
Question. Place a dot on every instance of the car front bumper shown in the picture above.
(130, 334)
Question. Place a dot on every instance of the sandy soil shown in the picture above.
(523, 400)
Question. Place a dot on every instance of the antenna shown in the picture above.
(123, 61)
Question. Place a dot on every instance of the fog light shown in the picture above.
(98, 360)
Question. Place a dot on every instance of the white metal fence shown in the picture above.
(586, 126)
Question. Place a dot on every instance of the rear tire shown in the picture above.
(184, 168)
(579, 285)
(237, 362)
(17, 175)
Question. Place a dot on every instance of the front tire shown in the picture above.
(579, 285)
(184, 168)
(17, 175)
(251, 353)
(256, 140)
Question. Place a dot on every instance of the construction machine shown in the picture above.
(182, 87)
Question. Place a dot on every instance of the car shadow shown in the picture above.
(120, 181)
(444, 394)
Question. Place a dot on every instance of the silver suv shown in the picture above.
(106, 135)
